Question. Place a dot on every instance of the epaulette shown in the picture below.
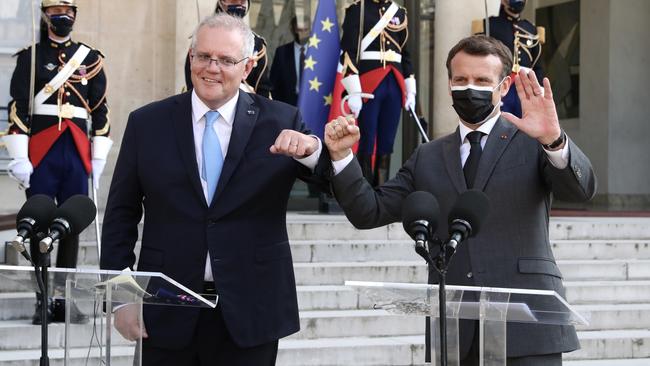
(21, 51)
(93, 48)
(260, 37)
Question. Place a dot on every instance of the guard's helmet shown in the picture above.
(235, 10)
(49, 3)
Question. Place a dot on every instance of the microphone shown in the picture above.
(420, 213)
(71, 218)
(34, 216)
(466, 217)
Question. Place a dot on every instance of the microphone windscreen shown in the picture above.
(472, 206)
(38, 207)
(420, 205)
(79, 211)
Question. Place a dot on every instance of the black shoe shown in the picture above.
(36, 319)
(76, 316)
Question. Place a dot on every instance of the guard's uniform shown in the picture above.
(258, 80)
(382, 65)
(59, 149)
(523, 39)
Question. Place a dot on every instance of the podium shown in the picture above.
(492, 307)
(97, 293)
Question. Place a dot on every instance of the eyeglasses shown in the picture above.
(204, 60)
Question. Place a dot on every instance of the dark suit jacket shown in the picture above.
(244, 228)
(283, 74)
(512, 249)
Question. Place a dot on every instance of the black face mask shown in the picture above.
(236, 10)
(61, 24)
(516, 6)
(473, 103)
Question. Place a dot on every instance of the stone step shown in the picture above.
(601, 249)
(608, 270)
(336, 273)
(618, 362)
(361, 250)
(404, 350)
(409, 350)
(310, 226)
(356, 323)
(620, 347)
(21, 335)
(339, 297)
(604, 292)
(618, 316)
(415, 271)
(353, 323)
(616, 344)
(120, 356)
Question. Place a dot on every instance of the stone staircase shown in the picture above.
(605, 262)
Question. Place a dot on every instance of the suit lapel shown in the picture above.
(245, 117)
(451, 155)
(500, 136)
(182, 129)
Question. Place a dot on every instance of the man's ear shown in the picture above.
(248, 67)
(505, 86)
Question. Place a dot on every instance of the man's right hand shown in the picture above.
(127, 322)
(340, 135)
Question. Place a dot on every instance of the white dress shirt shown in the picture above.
(223, 128)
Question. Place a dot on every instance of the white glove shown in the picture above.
(20, 168)
(101, 147)
(352, 85)
(411, 91)
(98, 168)
(355, 104)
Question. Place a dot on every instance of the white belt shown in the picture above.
(390, 56)
(53, 110)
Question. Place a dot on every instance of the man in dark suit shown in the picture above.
(520, 164)
(287, 63)
(212, 169)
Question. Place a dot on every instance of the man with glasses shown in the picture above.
(213, 169)
(51, 152)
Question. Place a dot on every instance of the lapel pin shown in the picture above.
(504, 137)
(250, 112)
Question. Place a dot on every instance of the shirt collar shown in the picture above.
(485, 127)
(227, 111)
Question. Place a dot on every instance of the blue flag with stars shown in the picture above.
(319, 72)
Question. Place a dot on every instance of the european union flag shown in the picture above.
(321, 60)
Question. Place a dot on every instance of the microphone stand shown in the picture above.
(41, 263)
(440, 263)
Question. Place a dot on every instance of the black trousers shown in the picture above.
(212, 345)
(472, 358)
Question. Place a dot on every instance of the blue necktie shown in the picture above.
(212, 155)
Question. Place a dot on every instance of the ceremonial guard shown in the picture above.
(375, 61)
(52, 148)
(258, 81)
(522, 37)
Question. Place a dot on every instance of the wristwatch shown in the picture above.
(556, 143)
